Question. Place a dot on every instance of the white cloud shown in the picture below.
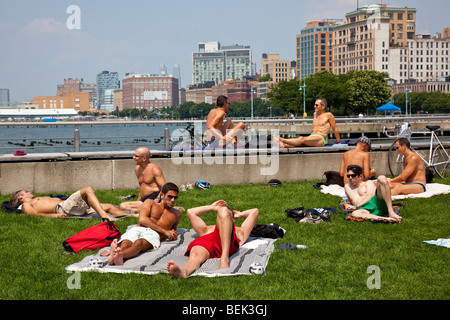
(46, 25)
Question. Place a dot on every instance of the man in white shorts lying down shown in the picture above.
(157, 221)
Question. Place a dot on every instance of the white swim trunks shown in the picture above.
(137, 233)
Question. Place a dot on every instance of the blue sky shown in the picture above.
(38, 50)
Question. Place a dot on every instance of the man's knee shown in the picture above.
(224, 213)
(87, 190)
(107, 206)
(199, 254)
(382, 180)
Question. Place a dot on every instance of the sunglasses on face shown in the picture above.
(172, 197)
(351, 176)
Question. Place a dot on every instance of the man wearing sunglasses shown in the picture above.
(322, 123)
(413, 178)
(367, 200)
(157, 221)
(215, 241)
(150, 178)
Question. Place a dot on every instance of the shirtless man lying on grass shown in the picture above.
(79, 203)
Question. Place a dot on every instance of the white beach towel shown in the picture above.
(433, 189)
(255, 250)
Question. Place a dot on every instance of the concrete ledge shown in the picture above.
(34, 157)
(68, 172)
(111, 173)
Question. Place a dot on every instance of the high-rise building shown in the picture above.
(279, 70)
(4, 97)
(426, 58)
(149, 91)
(314, 48)
(92, 89)
(217, 63)
(363, 40)
(106, 80)
(177, 73)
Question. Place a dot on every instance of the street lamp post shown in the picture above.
(304, 97)
(251, 96)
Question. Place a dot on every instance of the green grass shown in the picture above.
(334, 266)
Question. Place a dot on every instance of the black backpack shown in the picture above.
(7, 207)
(272, 231)
(296, 213)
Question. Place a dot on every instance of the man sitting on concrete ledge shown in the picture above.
(79, 203)
(322, 123)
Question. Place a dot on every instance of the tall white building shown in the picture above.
(216, 63)
(426, 58)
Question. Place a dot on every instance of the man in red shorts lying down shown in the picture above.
(216, 241)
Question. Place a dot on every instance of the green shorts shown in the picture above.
(376, 206)
(318, 135)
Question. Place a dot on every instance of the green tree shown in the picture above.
(265, 77)
(366, 90)
(325, 84)
(287, 96)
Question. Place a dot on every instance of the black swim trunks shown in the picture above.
(151, 196)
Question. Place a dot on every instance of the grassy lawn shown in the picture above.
(333, 267)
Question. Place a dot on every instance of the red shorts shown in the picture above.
(212, 243)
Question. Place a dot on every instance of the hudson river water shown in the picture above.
(51, 138)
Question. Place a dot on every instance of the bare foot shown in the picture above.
(276, 140)
(395, 216)
(174, 270)
(118, 256)
(112, 251)
(224, 264)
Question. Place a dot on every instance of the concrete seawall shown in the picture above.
(115, 171)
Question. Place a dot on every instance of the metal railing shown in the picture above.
(164, 140)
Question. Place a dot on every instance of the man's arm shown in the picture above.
(334, 127)
(159, 177)
(366, 166)
(147, 217)
(411, 166)
(342, 169)
(28, 208)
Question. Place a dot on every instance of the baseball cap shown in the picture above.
(365, 140)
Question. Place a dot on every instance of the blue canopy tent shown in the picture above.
(388, 107)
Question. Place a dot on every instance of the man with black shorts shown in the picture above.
(150, 177)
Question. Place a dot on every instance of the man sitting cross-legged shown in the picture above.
(367, 200)
(216, 241)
